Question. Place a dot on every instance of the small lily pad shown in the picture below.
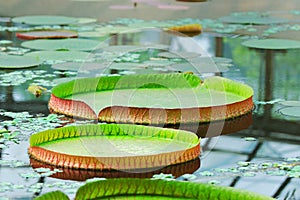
(76, 44)
(58, 55)
(14, 62)
(252, 19)
(77, 66)
(274, 44)
(44, 20)
(290, 111)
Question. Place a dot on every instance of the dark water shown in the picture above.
(253, 141)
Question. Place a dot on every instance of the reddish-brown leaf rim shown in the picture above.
(49, 34)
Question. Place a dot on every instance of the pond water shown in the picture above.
(258, 152)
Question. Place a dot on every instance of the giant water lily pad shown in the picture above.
(76, 44)
(44, 20)
(274, 44)
(130, 188)
(152, 99)
(113, 146)
(58, 55)
(11, 61)
(50, 34)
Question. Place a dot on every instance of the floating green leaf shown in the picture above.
(59, 55)
(252, 18)
(44, 20)
(273, 44)
(79, 66)
(14, 62)
(76, 44)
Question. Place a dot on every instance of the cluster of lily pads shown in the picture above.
(95, 50)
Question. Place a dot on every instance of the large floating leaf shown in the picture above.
(58, 55)
(152, 99)
(76, 44)
(10, 61)
(113, 146)
(272, 44)
(161, 189)
(47, 34)
(44, 20)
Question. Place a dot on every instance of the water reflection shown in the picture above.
(217, 128)
(81, 175)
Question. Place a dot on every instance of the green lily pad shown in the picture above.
(274, 44)
(161, 189)
(14, 62)
(77, 66)
(252, 19)
(290, 103)
(152, 99)
(47, 34)
(122, 146)
(44, 20)
(290, 111)
(75, 44)
(58, 55)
